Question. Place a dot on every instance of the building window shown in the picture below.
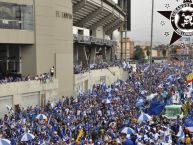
(15, 16)
(80, 32)
(10, 59)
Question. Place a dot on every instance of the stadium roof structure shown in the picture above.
(92, 14)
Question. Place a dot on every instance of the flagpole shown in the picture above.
(151, 45)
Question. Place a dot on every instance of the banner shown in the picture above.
(155, 108)
(189, 124)
(189, 78)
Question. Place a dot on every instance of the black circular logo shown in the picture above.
(182, 19)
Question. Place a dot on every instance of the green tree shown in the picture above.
(138, 53)
(147, 48)
(174, 50)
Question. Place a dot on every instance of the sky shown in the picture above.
(141, 20)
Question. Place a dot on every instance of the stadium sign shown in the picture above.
(64, 15)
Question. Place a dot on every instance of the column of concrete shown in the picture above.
(98, 58)
(76, 54)
(53, 42)
(85, 53)
(104, 53)
(81, 54)
(108, 53)
(93, 54)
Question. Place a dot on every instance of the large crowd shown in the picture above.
(43, 78)
(78, 69)
(10, 79)
(108, 115)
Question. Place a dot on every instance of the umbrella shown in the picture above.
(41, 117)
(170, 78)
(5, 142)
(139, 103)
(144, 117)
(106, 101)
(27, 137)
(127, 130)
(160, 85)
(150, 97)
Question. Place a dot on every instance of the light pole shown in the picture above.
(121, 43)
(126, 31)
(151, 45)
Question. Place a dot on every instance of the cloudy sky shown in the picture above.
(141, 20)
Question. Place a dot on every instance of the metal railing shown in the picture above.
(93, 40)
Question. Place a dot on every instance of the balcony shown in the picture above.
(93, 40)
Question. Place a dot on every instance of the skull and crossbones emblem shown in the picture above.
(187, 20)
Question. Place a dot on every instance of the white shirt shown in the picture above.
(52, 70)
(156, 136)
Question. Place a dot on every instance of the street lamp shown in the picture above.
(151, 45)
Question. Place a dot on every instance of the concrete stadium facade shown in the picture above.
(42, 33)
(49, 42)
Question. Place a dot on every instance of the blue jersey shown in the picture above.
(55, 139)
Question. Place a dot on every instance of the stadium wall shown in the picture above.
(85, 81)
(27, 93)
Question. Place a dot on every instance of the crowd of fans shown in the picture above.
(78, 69)
(108, 115)
(43, 78)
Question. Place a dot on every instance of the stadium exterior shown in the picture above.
(38, 34)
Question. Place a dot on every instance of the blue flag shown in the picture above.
(139, 103)
(155, 108)
(170, 78)
(189, 122)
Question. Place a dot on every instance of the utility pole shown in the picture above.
(151, 45)
(121, 30)
(126, 30)
(121, 42)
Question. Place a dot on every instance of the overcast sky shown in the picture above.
(141, 20)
